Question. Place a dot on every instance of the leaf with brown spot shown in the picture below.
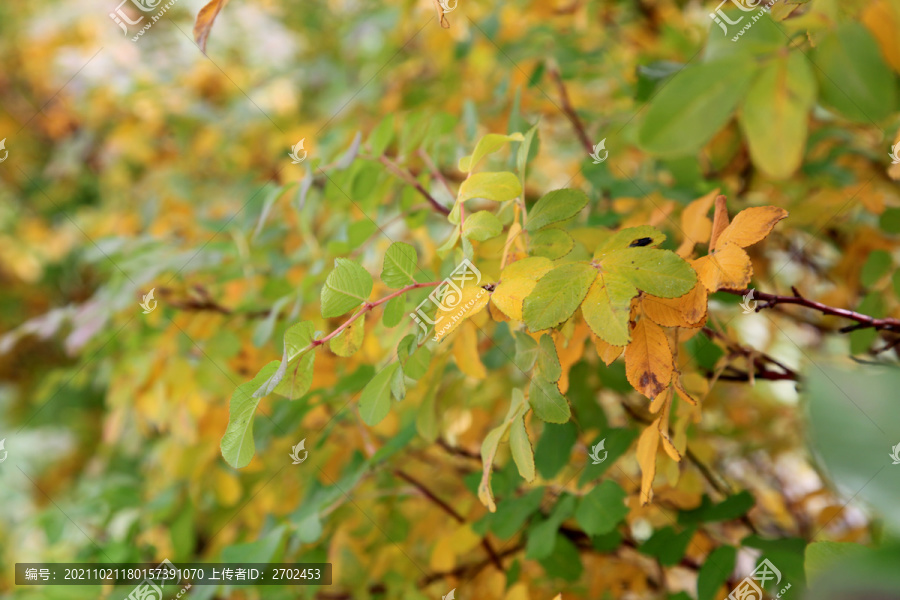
(648, 359)
(205, 19)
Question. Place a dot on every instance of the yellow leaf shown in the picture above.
(350, 340)
(648, 359)
(682, 393)
(726, 267)
(510, 294)
(695, 225)
(606, 351)
(471, 301)
(751, 225)
(670, 312)
(465, 351)
(647, 446)
(667, 443)
(533, 267)
(443, 556)
(882, 18)
(659, 401)
(518, 592)
(570, 352)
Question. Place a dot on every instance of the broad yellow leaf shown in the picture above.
(510, 294)
(533, 267)
(570, 352)
(647, 446)
(471, 301)
(751, 225)
(465, 351)
(349, 340)
(685, 311)
(727, 267)
(695, 225)
(648, 359)
(606, 351)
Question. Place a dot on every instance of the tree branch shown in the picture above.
(570, 112)
(411, 180)
(760, 360)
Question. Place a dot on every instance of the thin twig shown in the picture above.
(570, 112)
(411, 180)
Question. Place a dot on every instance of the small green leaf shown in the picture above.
(666, 545)
(820, 557)
(602, 508)
(497, 186)
(551, 243)
(607, 307)
(482, 225)
(394, 309)
(557, 295)
(694, 105)
(237, 443)
(382, 135)
(296, 338)
(520, 446)
(375, 401)
(399, 265)
(542, 536)
(726, 510)
(546, 401)
(548, 361)
(526, 351)
(659, 272)
(554, 207)
(875, 267)
(554, 448)
(486, 145)
(525, 151)
(398, 384)
(715, 571)
(346, 287)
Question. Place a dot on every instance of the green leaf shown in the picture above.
(551, 243)
(617, 443)
(398, 384)
(346, 287)
(399, 266)
(417, 363)
(350, 340)
(659, 272)
(520, 447)
(548, 361)
(666, 545)
(546, 401)
(889, 220)
(602, 508)
(513, 512)
(774, 114)
(854, 78)
(564, 562)
(876, 266)
(557, 295)
(296, 338)
(715, 571)
(524, 152)
(517, 408)
(382, 135)
(765, 38)
(694, 105)
(554, 207)
(482, 225)
(542, 536)
(526, 351)
(554, 448)
(237, 443)
(642, 236)
(375, 401)
(730, 508)
(607, 308)
(486, 145)
(499, 187)
(820, 557)
(394, 309)
(298, 377)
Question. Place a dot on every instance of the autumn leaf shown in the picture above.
(648, 359)
(204, 22)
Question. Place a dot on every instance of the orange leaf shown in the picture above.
(205, 19)
(647, 446)
(695, 225)
(685, 311)
(606, 351)
(727, 267)
(648, 359)
(751, 225)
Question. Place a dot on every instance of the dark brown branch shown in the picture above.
(761, 362)
(570, 112)
(450, 511)
(862, 321)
